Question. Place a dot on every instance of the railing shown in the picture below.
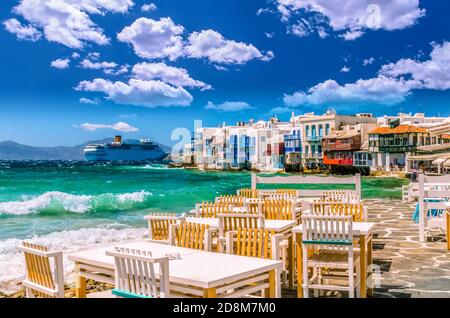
(314, 138)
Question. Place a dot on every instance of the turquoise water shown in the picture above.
(40, 199)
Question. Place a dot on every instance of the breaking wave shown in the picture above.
(12, 265)
(57, 201)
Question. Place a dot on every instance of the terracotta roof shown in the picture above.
(402, 129)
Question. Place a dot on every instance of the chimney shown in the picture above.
(118, 139)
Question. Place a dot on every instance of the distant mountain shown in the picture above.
(10, 150)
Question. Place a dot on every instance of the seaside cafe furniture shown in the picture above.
(231, 222)
(235, 200)
(359, 212)
(135, 274)
(159, 224)
(248, 193)
(343, 196)
(434, 197)
(41, 280)
(192, 235)
(279, 209)
(317, 180)
(255, 242)
(331, 239)
(212, 209)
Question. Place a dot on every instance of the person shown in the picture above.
(414, 175)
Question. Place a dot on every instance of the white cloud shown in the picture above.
(220, 68)
(23, 32)
(352, 17)
(154, 39)
(60, 63)
(149, 7)
(229, 106)
(393, 84)
(120, 126)
(212, 45)
(67, 21)
(137, 92)
(84, 100)
(431, 74)
(75, 55)
(168, 74)
(280, 110)
(368, 61)
(269, 35)
(116, 72)
(345, 69)
(87, 64)
(379, 90)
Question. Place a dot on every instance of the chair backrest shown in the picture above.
(211, 209)
(259, 243)
(328, 231)
(310, 180)
(40, 280)
(191, 235)
(279, 209)
(159, 225)
(343, 196)
(235, 200)
(290, 192)
(231, 222)
(434, 192)
(247, 193)
(135, 273)
(357, 211)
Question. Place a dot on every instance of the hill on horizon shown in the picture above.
(11, 150)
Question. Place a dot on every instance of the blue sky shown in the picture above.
(74, 71)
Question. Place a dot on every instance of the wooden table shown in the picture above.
(364, 231)
(283, 227)
(198, 273)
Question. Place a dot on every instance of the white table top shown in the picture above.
(359, 228)
(195, 268)
(272, 225)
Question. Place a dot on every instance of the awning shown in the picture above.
(439, 161)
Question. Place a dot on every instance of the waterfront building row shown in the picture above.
(330, 141)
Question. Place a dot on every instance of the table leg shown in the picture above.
(209, 293)
(298, 244)
(363, 265)
(80, 290)
(448, 230)
(271, 292)
(291, 261)
(370, 263)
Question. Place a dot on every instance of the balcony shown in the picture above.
(314, 138)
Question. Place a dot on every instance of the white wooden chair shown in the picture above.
(232, 222)
(357, 210)
(192, 235)
(41, 280)
(434, 195)
(211, 209)
(255, 242)
(342, 196)
(331, 238)
(159, 225)
(410, 192)
(136, 274)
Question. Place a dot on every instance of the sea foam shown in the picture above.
(12, 263)
(56, 200)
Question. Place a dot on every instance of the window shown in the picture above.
(320, 130)
(327, 129)
(307, 149)
(319, 149)
(313, 149)
(307, 131)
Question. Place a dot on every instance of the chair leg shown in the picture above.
(305, 274)
(351, 279)
(29, 293)
(316, 276)
(358, 279)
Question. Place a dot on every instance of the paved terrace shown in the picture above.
(408, 268)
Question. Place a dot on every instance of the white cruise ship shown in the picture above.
(129, 150)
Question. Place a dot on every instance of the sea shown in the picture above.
(71, 206)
